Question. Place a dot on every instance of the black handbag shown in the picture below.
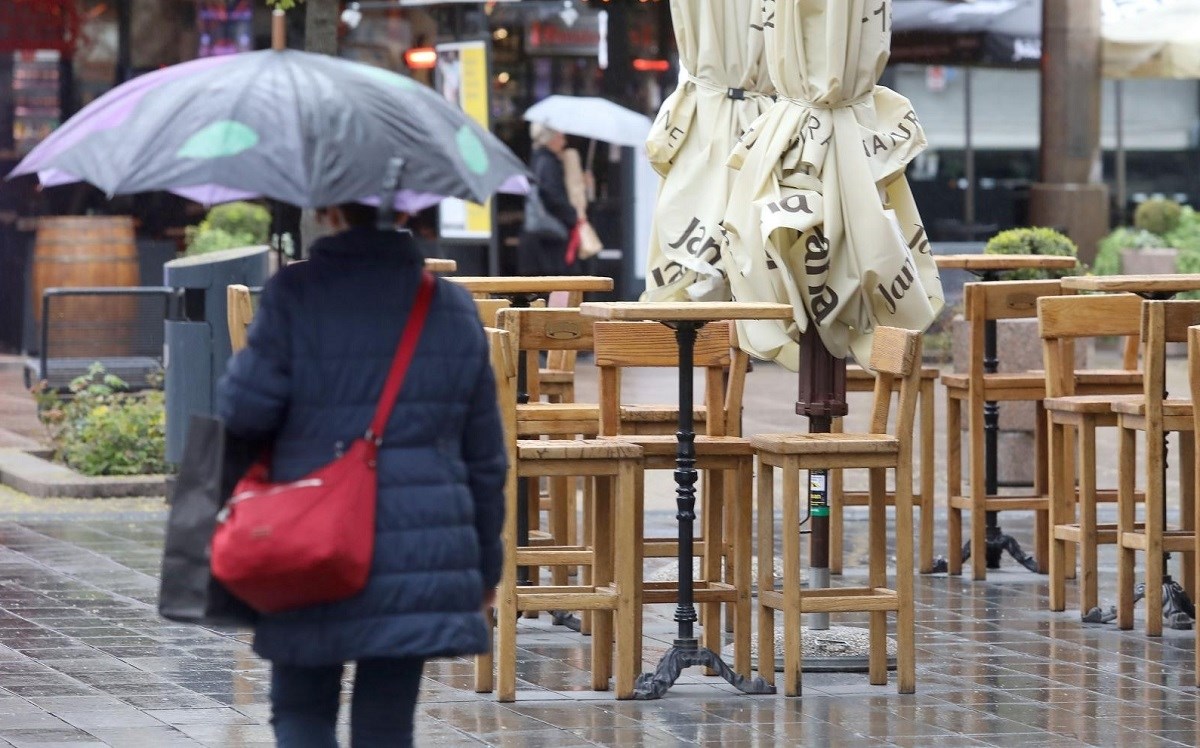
(540, 222)
(211, 464)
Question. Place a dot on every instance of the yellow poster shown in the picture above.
(462, 77)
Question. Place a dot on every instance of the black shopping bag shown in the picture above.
(211, 465)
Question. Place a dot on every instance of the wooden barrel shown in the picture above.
(83, 251)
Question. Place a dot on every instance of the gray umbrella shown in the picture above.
(305, 129)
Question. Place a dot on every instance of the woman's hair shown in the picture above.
(541, 134)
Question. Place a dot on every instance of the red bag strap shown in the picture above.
(404, 353)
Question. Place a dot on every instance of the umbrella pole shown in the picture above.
(278, 30)
(822, 398)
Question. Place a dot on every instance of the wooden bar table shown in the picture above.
(686, 319)
(1156, 288)
(989, 268)
(521, 290)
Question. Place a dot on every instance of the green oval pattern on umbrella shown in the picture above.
(388, 76)
(223, 138)
(472, 150)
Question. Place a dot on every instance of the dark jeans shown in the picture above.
(304, 704)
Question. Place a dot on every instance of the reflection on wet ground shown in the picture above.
(85, 660)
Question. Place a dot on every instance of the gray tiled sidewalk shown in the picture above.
(84, 659)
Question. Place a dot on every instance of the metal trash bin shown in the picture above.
(197, 333)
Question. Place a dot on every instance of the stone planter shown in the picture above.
(1020, 349)
(1148, 261)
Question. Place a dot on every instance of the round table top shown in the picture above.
(1165, 283)
(440, 265)
(699, 311)
(534, 283)
(981, 262)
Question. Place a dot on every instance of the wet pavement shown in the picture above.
(85, 660)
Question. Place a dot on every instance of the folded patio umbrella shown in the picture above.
(724, 86)
(821, 215)
(305, 129)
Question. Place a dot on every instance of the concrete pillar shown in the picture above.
(1070, 194)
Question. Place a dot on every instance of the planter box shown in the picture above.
(29, 473)
(1148, 261)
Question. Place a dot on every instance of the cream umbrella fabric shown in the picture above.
(723, 87)
(821, 215)
(1151, 39)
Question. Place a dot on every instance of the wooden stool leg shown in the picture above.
(1126, 475)
(1155, 501)
(953, 484)
(1089, 545)
(928, 502)
(602, 576)
(588, 532)
(485, 664)
(836, 520)
(977, 486)
(1071, 447)
(710, 562)
(532, 504)
(906, 657)
(1187, 500)
(1058, 513)
(877, 573)
(791, 580)
(1041, 475)
(742, 501)
(766, 575)
(731, 506)
(628, 575)
(560, 521)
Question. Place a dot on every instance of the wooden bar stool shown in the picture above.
(1194, 386)
(727, 463)
(1155, 416)
(615, 585)
(984, 302)
(1073, 419)
(895, 355)
(859, 379)
(556, 380)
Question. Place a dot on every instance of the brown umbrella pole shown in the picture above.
(822, 398)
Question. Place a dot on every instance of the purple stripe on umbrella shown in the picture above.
(108, 112)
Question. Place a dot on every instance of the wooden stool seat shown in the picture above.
(555, 376)
(660, 414)
(661, 445)
(1003, 386)
(1089, 404)
(1136, 406)
(859, 379)
(1107, 380)
(568, 449)
(827, 444)
(895, 355)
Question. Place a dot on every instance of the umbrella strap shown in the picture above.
(833, 105)
(728, 92)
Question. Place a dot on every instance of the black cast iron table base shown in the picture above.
(687, 653)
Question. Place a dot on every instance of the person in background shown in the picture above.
(542, 255)
(319, 349)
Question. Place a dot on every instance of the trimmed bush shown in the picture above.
(1033, 241)
(1158, 216)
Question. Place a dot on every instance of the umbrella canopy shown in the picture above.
(1140, 38)
(723, 87)
(591, 117)
(301, 128)
(1151, 39)
(822, 217)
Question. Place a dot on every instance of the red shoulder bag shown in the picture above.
(280, 546)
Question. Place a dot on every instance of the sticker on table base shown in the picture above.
(838, 649)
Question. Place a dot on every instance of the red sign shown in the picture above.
(38, 24)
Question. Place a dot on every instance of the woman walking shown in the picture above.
(542, 254)
(318, 351)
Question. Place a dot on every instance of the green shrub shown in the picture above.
(1158, 216)
(102, 429)
(1186, 235)
(1108, 256)
(1033, 241)
(237, 224)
